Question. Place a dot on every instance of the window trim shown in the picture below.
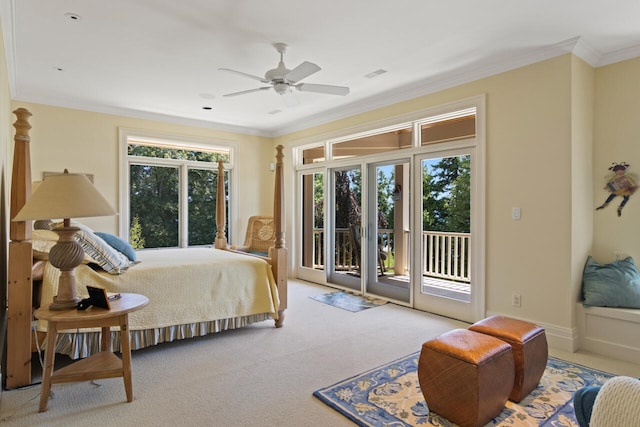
(179, 141)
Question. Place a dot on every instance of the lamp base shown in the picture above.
(66, 255)
(64, 305)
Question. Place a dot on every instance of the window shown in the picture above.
(170, 195)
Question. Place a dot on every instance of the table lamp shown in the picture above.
(65, 196)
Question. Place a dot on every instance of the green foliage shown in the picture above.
(176, 154)
(202, 190)
(446, 196)
(347, 203)
(155, 197)
(135, 234)
(318, 200)
(385, 199)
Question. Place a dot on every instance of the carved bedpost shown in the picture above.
(221, 209)
(278, 252)
(20, 261)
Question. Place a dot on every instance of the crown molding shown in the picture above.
(619, 56)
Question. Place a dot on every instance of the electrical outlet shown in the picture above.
(516, 300)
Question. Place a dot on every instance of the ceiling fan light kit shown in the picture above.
(282, 79)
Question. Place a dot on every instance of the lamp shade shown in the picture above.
(65, 196)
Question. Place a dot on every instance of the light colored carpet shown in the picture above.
(257, 376)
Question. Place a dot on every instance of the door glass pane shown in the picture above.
(347, 220)
(446, 218)
(202, 190)
(154, 206)
(313, 237)
(388, 254)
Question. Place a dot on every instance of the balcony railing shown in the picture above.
(445, 254)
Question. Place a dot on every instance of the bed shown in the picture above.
(192, 292)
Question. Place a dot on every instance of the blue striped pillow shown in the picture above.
(108, 258)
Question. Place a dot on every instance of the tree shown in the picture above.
(347, 193)
(155, 196)
(135, 234)
(446, 194)
(318, 200)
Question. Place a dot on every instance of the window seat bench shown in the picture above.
(611, 332)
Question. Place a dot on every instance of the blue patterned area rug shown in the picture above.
(390, 396)
(348, 301)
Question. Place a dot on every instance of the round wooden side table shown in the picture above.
(103, 364)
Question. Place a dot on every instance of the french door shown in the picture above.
(408, 230)
(346, 260)
(370, 229)
(449, 238)
(388, 230)
(313, 230)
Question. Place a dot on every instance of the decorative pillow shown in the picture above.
(611, 285)
(118, 244)
(109, 259)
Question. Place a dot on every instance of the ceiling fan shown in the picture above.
(282, 80)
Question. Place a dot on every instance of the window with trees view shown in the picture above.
(172, 194)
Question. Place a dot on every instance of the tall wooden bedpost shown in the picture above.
(221, 210)
(20, 261)
(278, 252)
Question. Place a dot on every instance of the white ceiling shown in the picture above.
(160, 58)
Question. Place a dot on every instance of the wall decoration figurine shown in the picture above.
(619, 184)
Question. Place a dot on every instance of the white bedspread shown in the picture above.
(183, 286)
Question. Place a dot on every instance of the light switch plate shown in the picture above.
(516, 214)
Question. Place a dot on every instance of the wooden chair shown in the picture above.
(354, 231)
(260, 235)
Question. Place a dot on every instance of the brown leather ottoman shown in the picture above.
(466, 376)
(530, 350)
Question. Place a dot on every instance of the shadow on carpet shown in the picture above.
(390, 396)
(348, 301)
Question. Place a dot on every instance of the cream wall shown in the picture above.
(87, 142)
(617, 139)
(531, 133)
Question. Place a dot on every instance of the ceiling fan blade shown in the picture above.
(248, 91)
(251, 76)
(302, 71)
(331, 90)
